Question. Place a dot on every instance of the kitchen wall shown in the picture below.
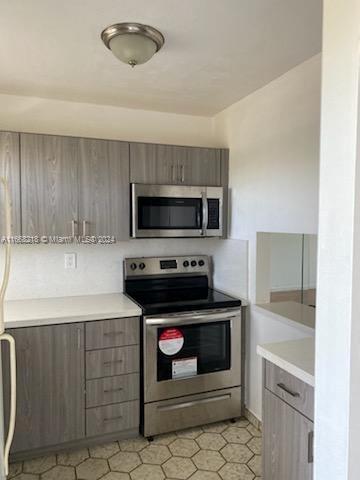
(273, 136)
(40, 115)
(38, 270)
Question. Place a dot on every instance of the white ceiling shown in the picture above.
(216, 51)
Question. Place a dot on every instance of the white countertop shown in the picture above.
(301, 314)
(295, 356)
(46, 311)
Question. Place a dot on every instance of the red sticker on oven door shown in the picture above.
(171, 341)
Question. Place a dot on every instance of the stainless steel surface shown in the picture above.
(73, 225)
(130, 27)
(175, 191)
(203, 316)
(152, 266)
(190, 411)
(205, 214)
(84, 224)
(166, 389)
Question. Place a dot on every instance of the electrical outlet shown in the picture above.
(70, 260)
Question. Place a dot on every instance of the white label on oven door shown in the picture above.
(186, 367)
(171, 341)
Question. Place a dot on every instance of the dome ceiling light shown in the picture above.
(132, 43)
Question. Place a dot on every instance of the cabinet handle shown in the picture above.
(84, 224)
(311, 447)
(182, 173)
(112, 361)
(73, 225)
(110, 390)
(112, 419)
(79, 338)
(108, 334)
(172, 176)
(287, 390)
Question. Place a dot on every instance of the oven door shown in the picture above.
(190, 353)
(175, 211)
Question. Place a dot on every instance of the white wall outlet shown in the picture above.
(70, 260)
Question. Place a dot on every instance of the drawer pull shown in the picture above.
(287, 390)
(110, 390)
(108, 334)
(311, 447)
(112, 361)
(112, 419)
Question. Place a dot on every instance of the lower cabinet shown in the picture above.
(67, 390)
(50, 385)
(287, 432)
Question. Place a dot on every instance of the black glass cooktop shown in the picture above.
(175, 297)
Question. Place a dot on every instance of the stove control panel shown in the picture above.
(148, 266)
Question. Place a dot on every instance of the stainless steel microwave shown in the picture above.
(176, 211)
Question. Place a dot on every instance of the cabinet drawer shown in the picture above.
(112, 333)
(112, 361)
(105, 391)
(112, 418)
(293, 391)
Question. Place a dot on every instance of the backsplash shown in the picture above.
(37, 271)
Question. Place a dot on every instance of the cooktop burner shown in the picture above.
(165, 285)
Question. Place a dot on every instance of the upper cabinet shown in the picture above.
(74, 186)
(49, 184)
(10, 169)
(104, 188)
(174, 165)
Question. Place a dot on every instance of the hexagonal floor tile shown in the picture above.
(104, 451)
(204, 475)
(155, 454)
(255, 445)
(255, 465)
(14, 469)
(179, 468)
(236, 453)
(215, 427)
(240, 422)
(208, 460)
(191, 433)
(184, 447)
(164, 439)
(27, 476)
(236, 435)
(124, 461)
(72, 458)
(92, 469)
(254, 431)
(147, 472)
(60, 471)
(133, 444)
(116, 476)
(211, 441)
(236, 471)
(39, 465)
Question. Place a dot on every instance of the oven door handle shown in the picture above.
(192, 318)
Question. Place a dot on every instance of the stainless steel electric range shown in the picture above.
(191, 343)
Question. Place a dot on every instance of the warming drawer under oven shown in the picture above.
(192, 364)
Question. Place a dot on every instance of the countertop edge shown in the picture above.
(286, 365)
(284, 319)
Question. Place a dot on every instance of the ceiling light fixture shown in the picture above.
(132, 43)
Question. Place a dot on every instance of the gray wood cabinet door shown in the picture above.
(104, 188)
(50, 385)
(49, 184)
(287, 441)
(156, 164)
(10, 169)
(202, 166)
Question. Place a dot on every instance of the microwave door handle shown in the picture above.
(205, 213)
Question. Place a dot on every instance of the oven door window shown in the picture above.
(161, 213)
(206, 348)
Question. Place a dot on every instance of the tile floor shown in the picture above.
(221, 451)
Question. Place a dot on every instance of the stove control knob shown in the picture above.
(186, 263)
(142, 266)
(193, 263)
(201, 263)
(133, 266)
